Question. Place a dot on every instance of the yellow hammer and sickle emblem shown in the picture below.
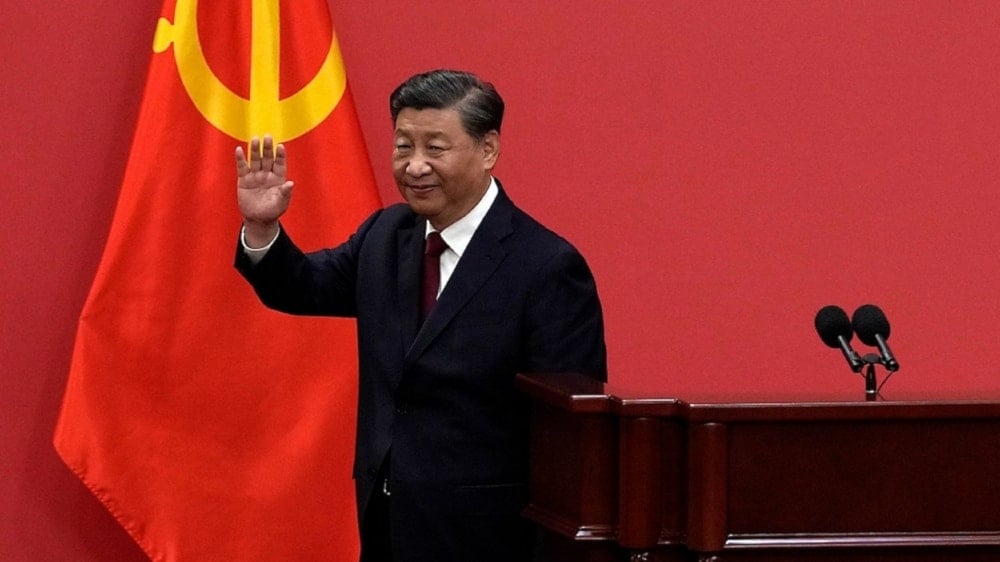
(264, 112)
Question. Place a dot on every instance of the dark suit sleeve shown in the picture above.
(565, 326)
(317, 283)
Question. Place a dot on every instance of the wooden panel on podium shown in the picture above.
(619, 477)
(575, 436)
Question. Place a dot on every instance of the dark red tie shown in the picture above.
(433, 248)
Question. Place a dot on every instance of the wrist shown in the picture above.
(259, 236)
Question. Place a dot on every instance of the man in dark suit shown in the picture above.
(441, 463)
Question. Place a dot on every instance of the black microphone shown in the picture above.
(834, 328)
(873, 329)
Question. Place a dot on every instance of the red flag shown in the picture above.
(212, 428)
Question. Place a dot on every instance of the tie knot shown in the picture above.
(435, 244)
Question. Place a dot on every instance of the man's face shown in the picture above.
(441, 171)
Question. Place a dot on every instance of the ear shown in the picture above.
(490, 145)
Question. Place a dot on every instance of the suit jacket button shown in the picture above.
(372, 472)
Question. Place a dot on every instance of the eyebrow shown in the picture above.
(433, 136)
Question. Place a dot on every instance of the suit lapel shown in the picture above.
(481, 258)
(410, 249)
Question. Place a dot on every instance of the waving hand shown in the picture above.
(262, 188)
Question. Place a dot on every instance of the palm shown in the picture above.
(260, 196)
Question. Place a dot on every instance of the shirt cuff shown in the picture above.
(256, 254)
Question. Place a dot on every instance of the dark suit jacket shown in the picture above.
(442, 395)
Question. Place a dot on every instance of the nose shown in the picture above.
(417, 166)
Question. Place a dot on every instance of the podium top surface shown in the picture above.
(578, 393)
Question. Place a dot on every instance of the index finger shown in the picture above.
(280, 160)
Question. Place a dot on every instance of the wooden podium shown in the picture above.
(642, 478)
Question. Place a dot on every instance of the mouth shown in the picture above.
(421, 189)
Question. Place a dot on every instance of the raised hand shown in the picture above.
(262, 189)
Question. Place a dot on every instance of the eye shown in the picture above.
(402, 147)
(435, 149)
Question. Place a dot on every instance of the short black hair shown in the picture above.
(479, 105)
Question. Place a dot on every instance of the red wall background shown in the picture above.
(728, 168)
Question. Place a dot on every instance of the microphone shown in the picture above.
(835, 330)
(873, 329)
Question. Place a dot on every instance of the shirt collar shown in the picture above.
(458, 234)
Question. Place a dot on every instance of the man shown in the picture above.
(441, 461)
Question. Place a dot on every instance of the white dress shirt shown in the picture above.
(458, 234)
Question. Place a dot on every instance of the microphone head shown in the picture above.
(832, 323)
(869, 320)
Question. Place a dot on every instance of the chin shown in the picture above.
(422, 208)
